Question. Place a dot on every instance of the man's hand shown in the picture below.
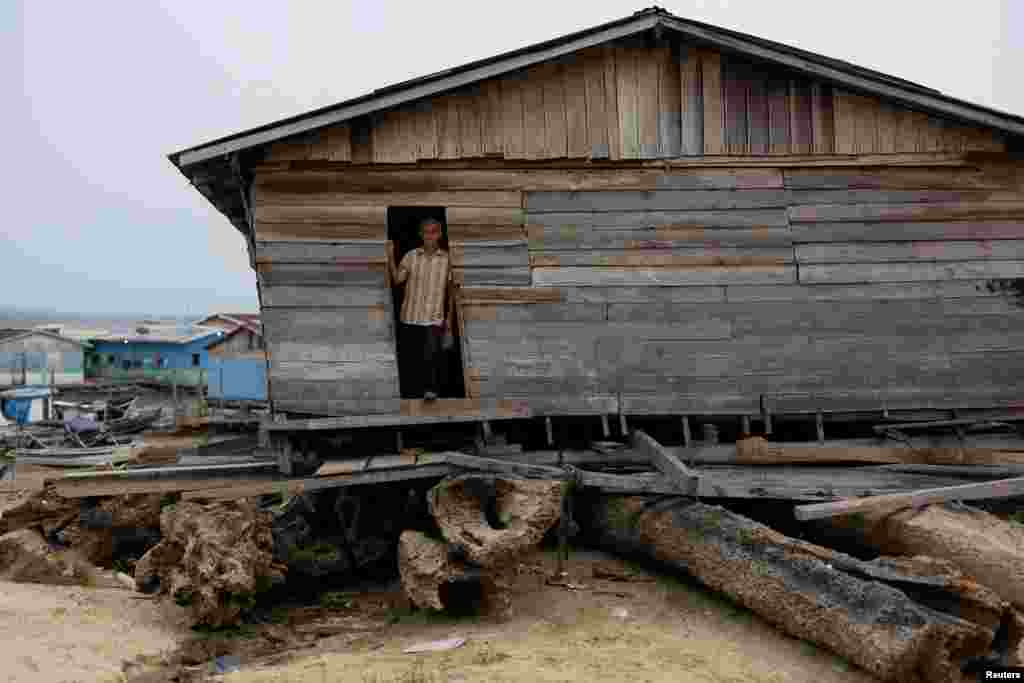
(389, 249)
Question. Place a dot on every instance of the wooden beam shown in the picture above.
(473, 462)
(298, 486)
(1002, 488)
(685, 479)
(962, 422)
(441, 410)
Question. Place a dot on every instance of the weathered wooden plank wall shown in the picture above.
(660, 290)
(630, 101)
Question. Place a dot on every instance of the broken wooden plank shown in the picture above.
(1002, 488)
(503, 466)
(415, 412)
(299, 486)
(685, 479)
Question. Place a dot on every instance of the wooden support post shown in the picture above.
(485, 426)
(605, 429)
(819, 423)
(399, 444)
(767, 422)
(284, 456)
(547, 429)
(745, 425)
(623, 427)
(681, 476)
(710, 433)
(687, 436)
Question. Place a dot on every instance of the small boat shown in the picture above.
(77, 457)
(134, 423)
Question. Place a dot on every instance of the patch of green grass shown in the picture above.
(335, 600)
(169, 499)
(121, 565)
(317, 552)
(1016, 518)
(206, 632)
(808, 649)
(839, 664)
(183, 597)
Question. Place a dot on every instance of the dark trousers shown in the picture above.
(422, 346)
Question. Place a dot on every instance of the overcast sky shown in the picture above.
(97, 94)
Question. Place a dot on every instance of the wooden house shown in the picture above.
(237, 364)
(653, 216)
(39, 357)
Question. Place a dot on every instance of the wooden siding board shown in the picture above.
(628, 105)
(659, 200)
(666, 220)
(335, 326)
(299, 296)
(559, 238)
(316, 274)
(861, 252)
(924, 211)
(910, 272)
(596, 104)
(534, 313)
(512, 117)
(907, 232)
(669, 104)
(316, 232)
(491, 119)
(823, 120)
(797, 293)
(713, 101)
(470, 131)
(779, 121)
(305, 213)
(691, 102)
(556, 134)
(801, 127)
(758, 112)
(575, 85)
(657, 258)
(446, 123)
(611, 93)
(648, 81)
(734, 115)
(534, 115)
(701, 275)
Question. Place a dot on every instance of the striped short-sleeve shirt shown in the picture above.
(426, 280)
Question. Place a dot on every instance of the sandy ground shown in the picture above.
(59, 634)
(646, 630)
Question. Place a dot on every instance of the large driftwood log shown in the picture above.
(857, 609)
(487, 523)
(980, 544)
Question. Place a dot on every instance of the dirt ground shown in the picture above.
(62, 634)
(640, 629)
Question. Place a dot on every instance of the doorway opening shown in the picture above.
(404, 231)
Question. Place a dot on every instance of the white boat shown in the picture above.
(77, 457)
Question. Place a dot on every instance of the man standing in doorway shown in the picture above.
(426, 315)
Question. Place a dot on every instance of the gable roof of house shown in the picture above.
(812, 64)
(164, 335)
(216, 170)
(12, 333)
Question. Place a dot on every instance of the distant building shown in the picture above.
(164, 353)
(238, 366)
(39, 357)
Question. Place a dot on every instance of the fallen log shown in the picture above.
(980, 544)
(846, 605)
(1001, 488)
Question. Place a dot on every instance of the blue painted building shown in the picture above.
(238, 366)
(167, 354)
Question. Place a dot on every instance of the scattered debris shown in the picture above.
(435, 646)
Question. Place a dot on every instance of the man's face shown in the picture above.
(431, 235)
